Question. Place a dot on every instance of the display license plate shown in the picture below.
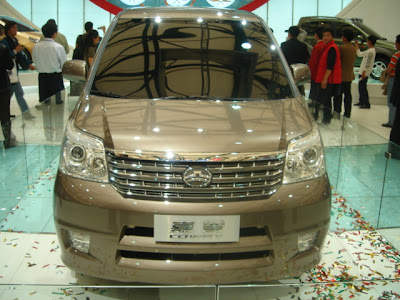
(196, 229)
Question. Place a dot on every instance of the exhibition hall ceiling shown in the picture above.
(115, 6)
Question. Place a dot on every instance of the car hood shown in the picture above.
(33, 34)
(193, 126)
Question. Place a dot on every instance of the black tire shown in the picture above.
(380, 65)
(26, 53)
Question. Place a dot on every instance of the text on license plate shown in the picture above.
(196, 229)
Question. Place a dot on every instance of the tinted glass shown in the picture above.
(310, 27)
(25, 28)
(185, 58)
(341, 27)
(21, 26)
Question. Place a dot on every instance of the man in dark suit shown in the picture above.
(295, 51)
(6, 63)
(15, 52)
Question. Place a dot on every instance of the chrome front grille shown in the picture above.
(162, 180)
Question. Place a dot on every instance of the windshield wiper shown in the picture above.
(184, 97)
(106, 94)
(207, 98)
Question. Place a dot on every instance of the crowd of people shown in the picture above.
(332, 69)
(332, 72)
(49, 56)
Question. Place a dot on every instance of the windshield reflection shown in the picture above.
(182, 58)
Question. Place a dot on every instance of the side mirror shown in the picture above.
(301, 73)
(75, 70)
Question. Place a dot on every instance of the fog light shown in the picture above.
(306, 241)
(79, 241)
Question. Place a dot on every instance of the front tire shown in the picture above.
(380, 65)
(26, 53)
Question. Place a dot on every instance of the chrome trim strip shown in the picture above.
(178, 179)
(198, 157)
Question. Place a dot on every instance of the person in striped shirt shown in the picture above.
(391, 70)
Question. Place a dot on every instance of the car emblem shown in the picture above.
(181, 227)
(213, 226)
(197, 176)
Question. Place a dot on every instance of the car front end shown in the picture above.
(203, 177)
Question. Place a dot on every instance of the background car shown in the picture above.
(27, 36)
(384, 49)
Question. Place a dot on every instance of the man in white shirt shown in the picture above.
(49, 58)
(60, 38)
(365, 70)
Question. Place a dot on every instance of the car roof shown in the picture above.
(351, 20)
(188, 13)
(322, 18)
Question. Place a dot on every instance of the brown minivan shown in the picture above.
(190, 157)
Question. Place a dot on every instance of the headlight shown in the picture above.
(33, 40)
(304, 158)
(83, 156)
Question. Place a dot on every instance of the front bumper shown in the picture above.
(122, 246)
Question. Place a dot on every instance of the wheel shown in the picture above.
(26, 53)
(380, 66)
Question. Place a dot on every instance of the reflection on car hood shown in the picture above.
(190, 126)
(28, 34)
(33, 34)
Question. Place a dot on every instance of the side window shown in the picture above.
(326, 24)
(23, 27)
(341, 27)
(310, 27)
(20, 26)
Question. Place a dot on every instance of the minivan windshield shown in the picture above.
(189, 58)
